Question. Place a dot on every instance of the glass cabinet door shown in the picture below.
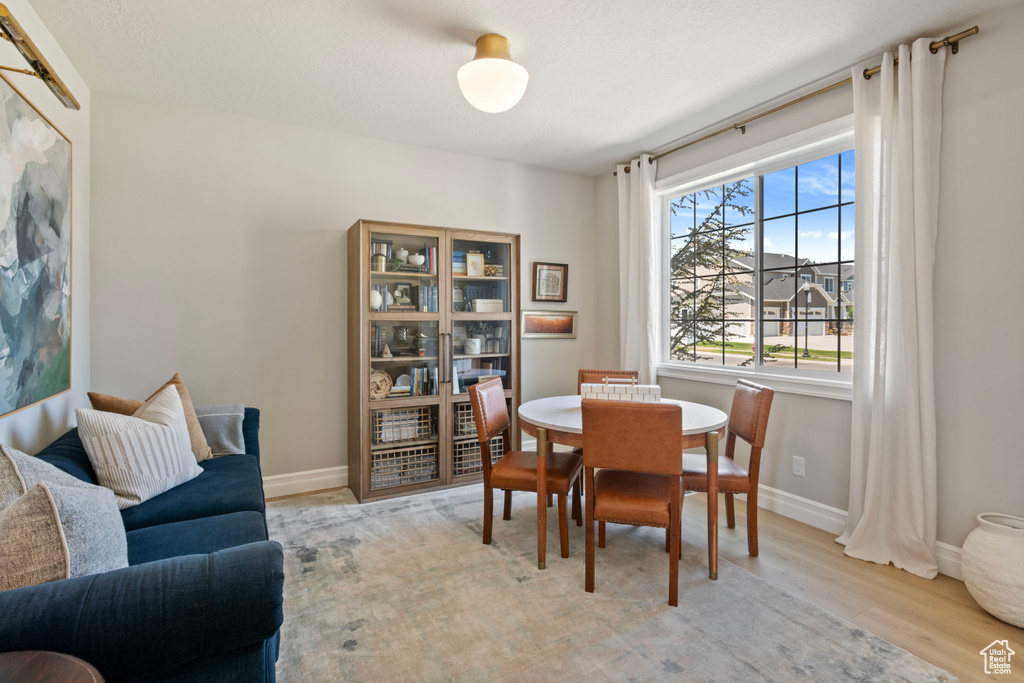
(403, 273)
(403, 358)
(481, 273)
(480, 351)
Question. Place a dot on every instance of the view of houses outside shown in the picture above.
(805, 270)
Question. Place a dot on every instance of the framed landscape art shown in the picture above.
(549, 324)
(550, 281)
(35, 255)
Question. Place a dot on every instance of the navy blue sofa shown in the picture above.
(201, 599)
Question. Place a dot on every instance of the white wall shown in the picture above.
(30, 429)
(219, 252)
(978, 316)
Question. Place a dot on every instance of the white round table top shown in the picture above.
(563, 414)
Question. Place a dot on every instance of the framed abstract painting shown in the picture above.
(35, 255)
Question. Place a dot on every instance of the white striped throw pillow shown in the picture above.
(143, 455)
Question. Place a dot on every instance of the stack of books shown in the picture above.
(459, 263)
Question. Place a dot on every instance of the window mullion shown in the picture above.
(758, 270)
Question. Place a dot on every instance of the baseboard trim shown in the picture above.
(810, 512)
(833, 520)
(303, 482)
(948, 558)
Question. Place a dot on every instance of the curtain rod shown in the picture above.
(952, 41)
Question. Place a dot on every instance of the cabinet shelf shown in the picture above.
(407, 443)
(402, 359)
(394, 275)
(411, 316)
(488, 278)
(470, 356)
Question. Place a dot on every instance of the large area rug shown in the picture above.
(403, 590)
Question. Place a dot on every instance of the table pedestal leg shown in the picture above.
(712, 450)
(542, 495)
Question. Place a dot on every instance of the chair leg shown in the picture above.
(600, 534)
(674, 528)
(589, 563)
(508, 505)
(752, 522)
(577, 506)
(673, 563)
(668, 539)
(563, 524)
(730, 512)
(551, 500)
(488, 513)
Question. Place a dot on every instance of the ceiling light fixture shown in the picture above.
(492, 82)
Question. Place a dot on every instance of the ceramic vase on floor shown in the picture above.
(993, 566)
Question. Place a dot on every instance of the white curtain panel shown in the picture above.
(898, 125)
(639, 221)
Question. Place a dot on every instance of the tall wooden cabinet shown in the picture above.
(422, 330)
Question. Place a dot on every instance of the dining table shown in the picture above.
(559, 420)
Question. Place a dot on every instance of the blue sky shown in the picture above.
(821, 234)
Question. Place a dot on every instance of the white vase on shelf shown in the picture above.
(992, 563)
(375, 300)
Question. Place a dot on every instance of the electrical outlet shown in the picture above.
(798, 466)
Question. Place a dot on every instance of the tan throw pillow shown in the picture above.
(113, 404)
(139, 456)
(128, 406)
(88, 514)
(12, 483)
(34, 547)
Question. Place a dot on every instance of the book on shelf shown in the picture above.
(402, 307)
(458, 263)
(409, 268)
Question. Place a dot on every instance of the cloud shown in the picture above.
(816, 234)
(835, 235)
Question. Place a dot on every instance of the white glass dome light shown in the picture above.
(492, 82)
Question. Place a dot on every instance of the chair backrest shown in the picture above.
(598, 376)
(489, 410)
(638, 437)
(748, 419)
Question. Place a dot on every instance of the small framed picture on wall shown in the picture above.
(550, 281)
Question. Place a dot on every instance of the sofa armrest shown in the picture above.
(155, 616)
(251, 431)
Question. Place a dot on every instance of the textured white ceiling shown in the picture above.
(607, 79)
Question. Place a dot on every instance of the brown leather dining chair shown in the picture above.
(598, 376)
(748, 420)
(517, 470)
(640, 483)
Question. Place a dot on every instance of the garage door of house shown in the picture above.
(771, 324)
(814, 327)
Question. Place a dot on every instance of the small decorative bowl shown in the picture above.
(417, 259)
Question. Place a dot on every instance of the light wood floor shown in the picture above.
(936, 620)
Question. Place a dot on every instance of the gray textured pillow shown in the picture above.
(222, 427)
(34, 547)
(88, 515)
